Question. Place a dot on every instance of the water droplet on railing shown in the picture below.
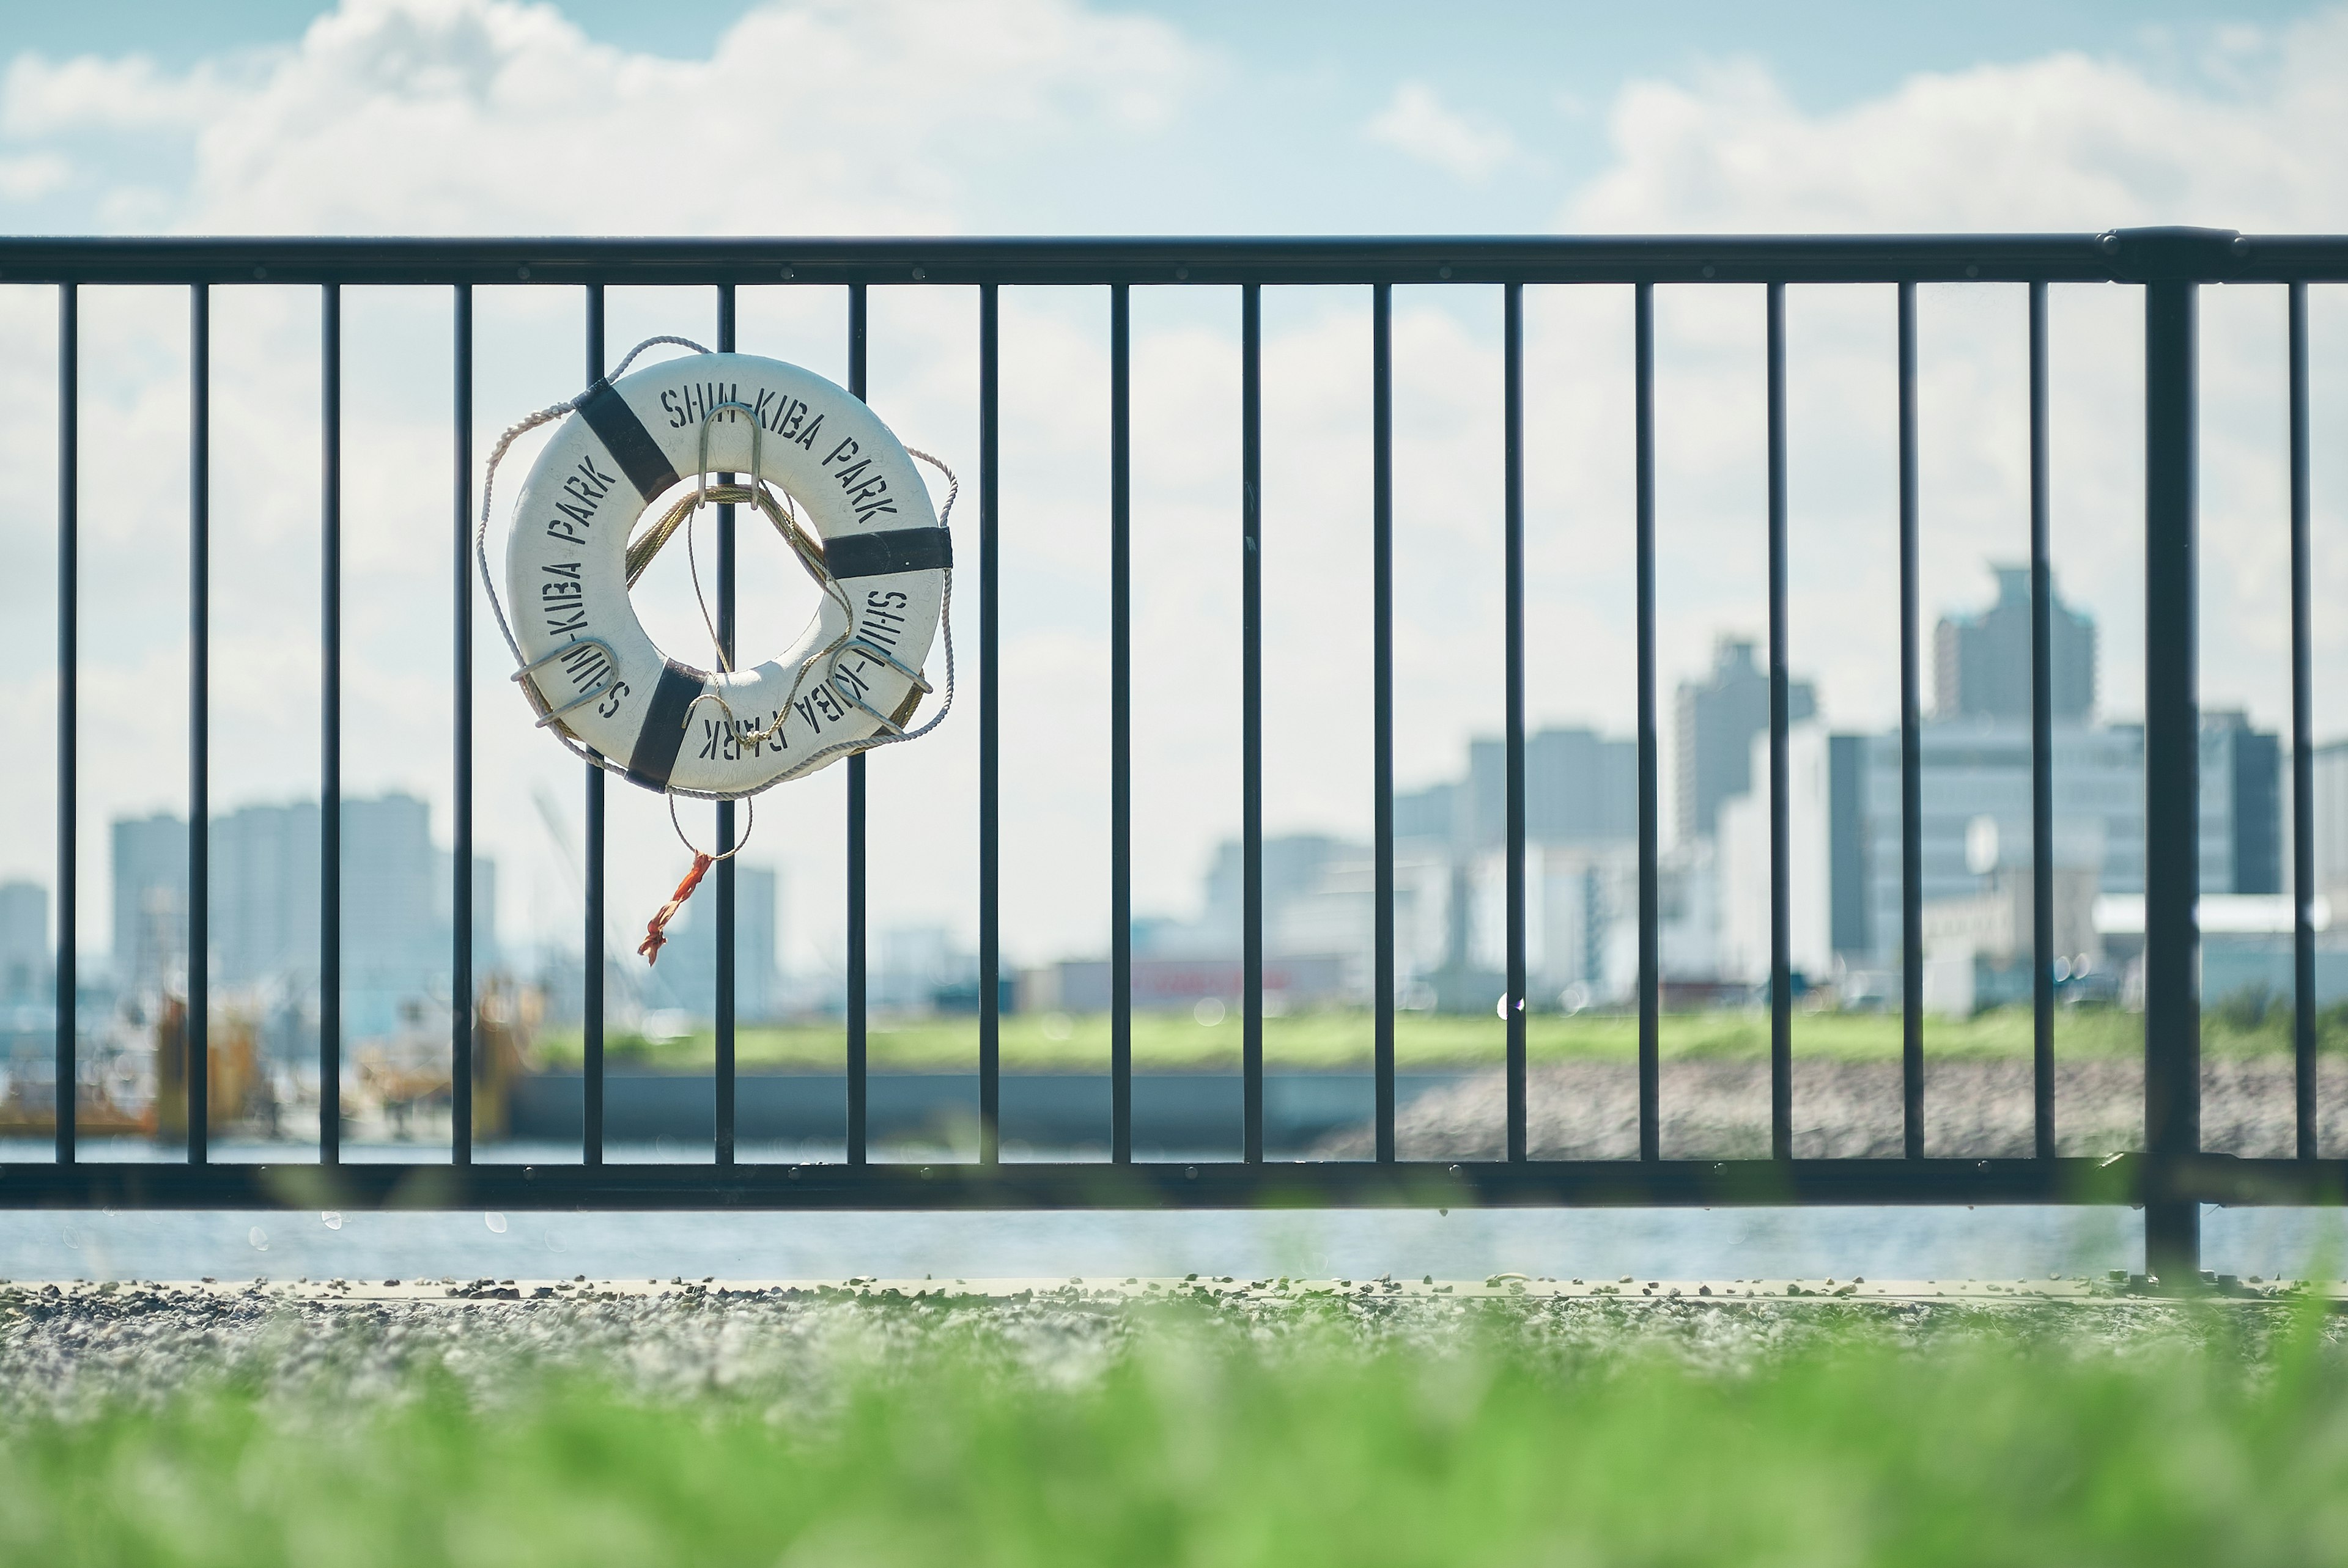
(259, 1238)
(495, 1222)
(331, 1219)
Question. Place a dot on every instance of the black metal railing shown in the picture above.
(2172, 1177)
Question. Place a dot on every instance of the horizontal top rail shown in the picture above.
(2126, 255)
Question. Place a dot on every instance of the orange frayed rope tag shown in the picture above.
(653, 940)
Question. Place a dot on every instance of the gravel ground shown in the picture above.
(1845, 1110)
(72, 1349)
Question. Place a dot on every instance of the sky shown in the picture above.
(1012, 117)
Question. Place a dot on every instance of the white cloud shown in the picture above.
(1419, 125)
(35, 175)
(471, 115)
(41, 98)
(2062, 142)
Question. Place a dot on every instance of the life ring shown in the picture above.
(853, 506)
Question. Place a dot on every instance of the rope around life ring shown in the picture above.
(838, 487)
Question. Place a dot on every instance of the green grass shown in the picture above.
(1280, 1447)
(1048, 1042)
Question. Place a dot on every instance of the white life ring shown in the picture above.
(589, 667)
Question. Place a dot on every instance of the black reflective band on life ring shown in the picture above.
(623, 436)
(895, 550)
(663, 734)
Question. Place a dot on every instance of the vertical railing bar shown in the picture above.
(1781, 979)
(990, 772)
(1382, 993)
(1911, 751)
(1251, 719)
(196, 1033)
(2172, 1025)
(460, 914)
(726, 975)
(1120, 721)
(1642, 332)
(2042, 741)
(592, 956)
(1512, 310)
(857, 1152)
(68, 703)
(2302, 742)
(330, 761)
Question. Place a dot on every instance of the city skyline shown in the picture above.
(1582, 812)
(1581, 824)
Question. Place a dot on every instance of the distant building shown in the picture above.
(1581, 911)
(2241, 806)
(2330, 809)
(1433, 814)
(265, 888)
(1717, 722)
(265, 895)
(1974, 794)
(1319, 903)
(25, 963)
(150, 898)
(685, 978)
(1580, 788)
(1581, 822)
(1295, 865)
(1166, 985)
(1825, 878)
(1981, 662)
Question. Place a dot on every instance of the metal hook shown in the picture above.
(758, 449)
(529, 673)
(859, 646)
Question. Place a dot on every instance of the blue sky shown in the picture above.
(1520, 53)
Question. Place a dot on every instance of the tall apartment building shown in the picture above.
(1716, 722)
(1982, 661)
(151, 897)
(397, 887)
(2241, 806)
(25, 969)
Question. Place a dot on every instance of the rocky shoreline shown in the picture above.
(1974, 1108)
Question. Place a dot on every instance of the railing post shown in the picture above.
(2170, 262)
(728, 977)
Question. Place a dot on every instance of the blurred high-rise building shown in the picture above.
(1580, 787)
(1717, 719)
(24, 963)
(2241, 804)
(1982, 661)
(265, 889)
(150, 898)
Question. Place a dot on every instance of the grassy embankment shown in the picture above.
(1052, 1042)
(1989, 1449)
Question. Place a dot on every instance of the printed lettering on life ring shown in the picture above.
(589, 663)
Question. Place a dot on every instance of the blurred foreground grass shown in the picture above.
(1050, 1041)
(1985, 1446)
